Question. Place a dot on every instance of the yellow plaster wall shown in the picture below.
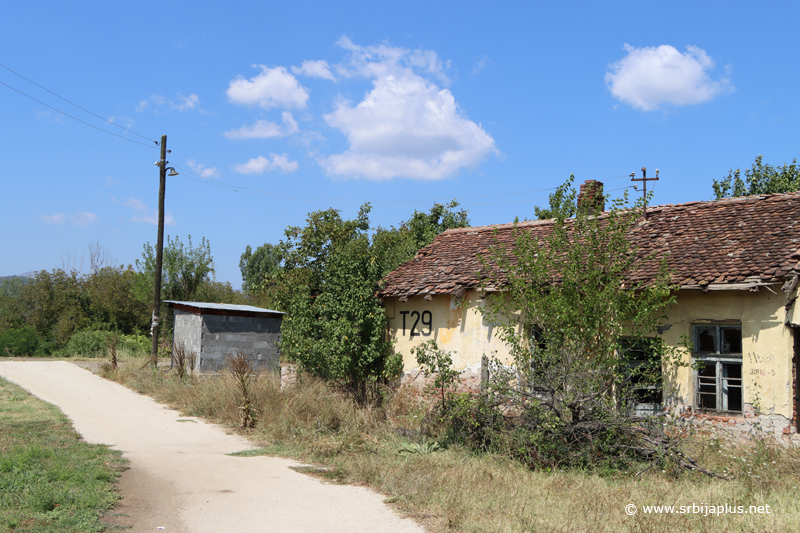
(767, 344)
(456, 328)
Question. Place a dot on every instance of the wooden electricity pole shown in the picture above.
(162, 185)
(644, 179)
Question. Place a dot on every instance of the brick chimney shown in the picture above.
(590, 197)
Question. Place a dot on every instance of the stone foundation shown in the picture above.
(288, 376)
(746, 426)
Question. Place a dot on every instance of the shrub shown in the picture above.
(18, 342)
(86, 344)
(89, 343)
(134, 345)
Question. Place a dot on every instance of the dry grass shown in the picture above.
(455, 490)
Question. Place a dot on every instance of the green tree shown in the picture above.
(259, 267)
(56, 305)
(11, 287)
(569, 314)
(220, 292)
(759, 179)
(334, 327)
(184, 268)
(112, 302)
(562, 203)
(395, 246)
(11, 306)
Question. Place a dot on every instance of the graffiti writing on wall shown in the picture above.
(425, 317)
(760, 358)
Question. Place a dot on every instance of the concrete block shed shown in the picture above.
(215, 331)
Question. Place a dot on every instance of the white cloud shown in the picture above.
(152, 218)
(146, 215)
(406, 126)
(125, 121)
(183, 103)
(136, 204)
(274, 87)
(383, 59)
(649, 77)
(314, 69)
(202, 170)
(83, 219)
(265, 129)
(186, 103)
(55, 218)
(261, 164)
(481, 62)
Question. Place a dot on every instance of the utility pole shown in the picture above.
(644, 181)
(162, 185)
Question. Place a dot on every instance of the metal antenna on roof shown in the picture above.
(644, 181)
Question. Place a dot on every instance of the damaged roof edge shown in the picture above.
(224, 307)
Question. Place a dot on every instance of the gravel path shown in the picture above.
(180, 478)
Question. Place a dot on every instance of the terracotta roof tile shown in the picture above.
(725, 241)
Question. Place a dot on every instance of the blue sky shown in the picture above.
(311, 105)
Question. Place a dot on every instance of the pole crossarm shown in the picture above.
(644, 179)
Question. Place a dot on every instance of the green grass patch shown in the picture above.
(50, 479)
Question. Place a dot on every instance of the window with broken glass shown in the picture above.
(643, 376)
(717, 352)
(536, 377)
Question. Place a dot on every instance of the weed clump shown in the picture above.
(243, 376)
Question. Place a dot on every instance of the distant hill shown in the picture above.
(26, 277)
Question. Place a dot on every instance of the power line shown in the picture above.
(73, 103)
(75, 118)
(353, 201)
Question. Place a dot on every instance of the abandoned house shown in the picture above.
(213, 332)
(736, 263)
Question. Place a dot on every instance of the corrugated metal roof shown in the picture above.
(225, 307)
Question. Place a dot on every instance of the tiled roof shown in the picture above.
(709, 245)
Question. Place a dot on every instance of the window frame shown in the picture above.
(628, 345)
(723, 385)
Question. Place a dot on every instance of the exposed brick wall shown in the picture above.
(748, 425)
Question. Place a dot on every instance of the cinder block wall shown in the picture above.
(187, 331)
(222, 335)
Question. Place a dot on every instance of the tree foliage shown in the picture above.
(569, 313)
(57, 304)
(325, 275)
(260, 267)
(395, 246)
(184, 267)
(11, 308)
(761, 178)
(335, 326)
(562, 203)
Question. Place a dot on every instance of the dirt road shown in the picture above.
(181, 479)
